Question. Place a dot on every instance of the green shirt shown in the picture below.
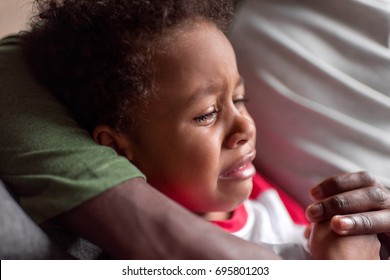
(46, 159)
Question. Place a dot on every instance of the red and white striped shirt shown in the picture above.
(270, 217)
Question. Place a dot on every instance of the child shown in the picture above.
(157, 81)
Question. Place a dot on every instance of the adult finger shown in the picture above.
(355, 201)
(362, 223)
(343, 183)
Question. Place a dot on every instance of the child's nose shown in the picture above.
(243, 130)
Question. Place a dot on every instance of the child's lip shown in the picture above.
(242, 169)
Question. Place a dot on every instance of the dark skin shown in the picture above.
(354, 204)
(138, 231)
(327, 245)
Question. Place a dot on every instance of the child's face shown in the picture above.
(197, 141)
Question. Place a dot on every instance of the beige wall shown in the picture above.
(14, 15)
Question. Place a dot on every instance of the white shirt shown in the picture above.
(271, 218)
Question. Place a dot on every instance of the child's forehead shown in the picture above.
(203, 61)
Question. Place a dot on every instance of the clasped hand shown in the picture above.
(350, 218)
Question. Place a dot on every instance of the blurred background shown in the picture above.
(13, 15)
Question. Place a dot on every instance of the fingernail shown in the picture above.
(347, 223)
(315, 211)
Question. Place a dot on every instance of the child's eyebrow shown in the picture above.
(211, 89)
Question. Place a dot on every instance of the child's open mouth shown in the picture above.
(242, 170)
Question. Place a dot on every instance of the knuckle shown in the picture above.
(339, 202)
(377, 195)
(364, 222)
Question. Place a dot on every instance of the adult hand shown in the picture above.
(356, 203)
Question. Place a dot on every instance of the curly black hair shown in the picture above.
(96, 55)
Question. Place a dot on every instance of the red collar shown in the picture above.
(236, 221)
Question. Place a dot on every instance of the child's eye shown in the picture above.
(240, 103)
(207, 119)
(240, 100)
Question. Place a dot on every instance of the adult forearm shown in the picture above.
(134, 221)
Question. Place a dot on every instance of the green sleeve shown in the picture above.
(46, 159)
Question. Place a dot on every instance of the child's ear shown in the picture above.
(107, 136)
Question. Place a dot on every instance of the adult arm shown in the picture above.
(134, 221)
